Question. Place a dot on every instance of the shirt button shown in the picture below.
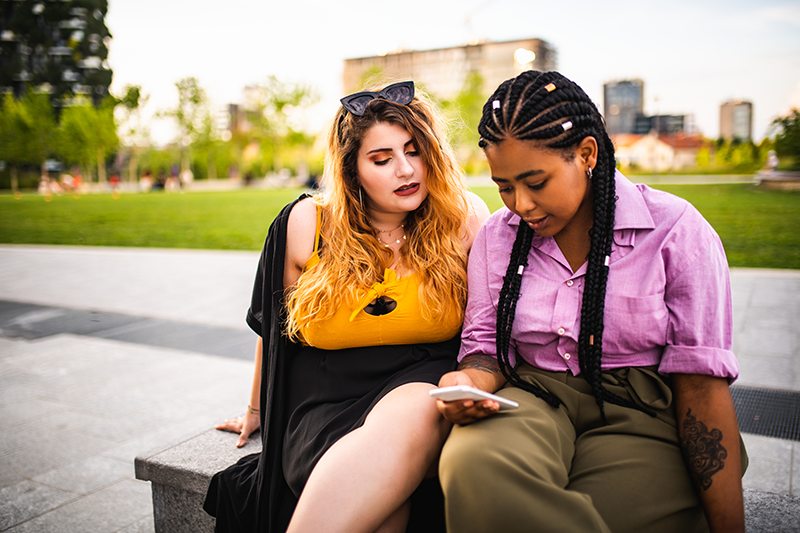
(561, 331)
(569, 283)
(567, 356)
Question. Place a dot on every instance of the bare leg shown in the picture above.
(363, 482)
(398, 521)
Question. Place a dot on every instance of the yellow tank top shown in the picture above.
(352, 327)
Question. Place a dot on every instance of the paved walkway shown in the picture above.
(79, 400)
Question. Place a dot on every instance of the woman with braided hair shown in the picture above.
(610, 325)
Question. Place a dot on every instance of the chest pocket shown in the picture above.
(634, 323)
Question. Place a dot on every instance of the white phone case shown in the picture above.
(465, 392)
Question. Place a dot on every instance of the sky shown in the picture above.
(693, 55)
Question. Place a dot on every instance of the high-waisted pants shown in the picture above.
(544, 469)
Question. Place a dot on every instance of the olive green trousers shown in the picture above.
(542, 469)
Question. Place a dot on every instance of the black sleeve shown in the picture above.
(255, 314)
(270, 254)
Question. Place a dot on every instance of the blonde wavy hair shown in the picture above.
(351, 258)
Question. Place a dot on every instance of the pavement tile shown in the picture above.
(87, 475)
(28, 499)
(14, 389)
(770, 463)
(768, 342)
(145, 525)
(23, 412)
(105, 511)
(47, 455)
(768, 372)
(91, 278)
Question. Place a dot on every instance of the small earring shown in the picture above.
(589, 173)
(360, 200)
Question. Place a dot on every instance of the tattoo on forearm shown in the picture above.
(703, 450)
(484, 363)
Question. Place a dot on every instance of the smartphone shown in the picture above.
(465, 392)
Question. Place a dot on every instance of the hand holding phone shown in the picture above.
(465, 392)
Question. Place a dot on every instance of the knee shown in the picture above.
(466, 457)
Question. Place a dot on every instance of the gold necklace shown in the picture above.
(387, 245)
(398, 241)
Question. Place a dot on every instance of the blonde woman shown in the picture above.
(358, 301)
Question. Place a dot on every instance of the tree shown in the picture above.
(787, 140)
(466, 109)
(272, 115)
(190, 113)
(86, 133)
(105, 136)
(26, 132)
(135, 133)
(75, 136)
(207, 142)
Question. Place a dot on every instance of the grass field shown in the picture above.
(759, 228)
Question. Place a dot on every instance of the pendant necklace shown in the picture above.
(397, 241)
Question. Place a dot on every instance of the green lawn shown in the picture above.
(759, 228)
(231, 220)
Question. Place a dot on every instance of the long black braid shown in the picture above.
(548, 108)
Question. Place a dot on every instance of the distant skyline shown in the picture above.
(692, 56)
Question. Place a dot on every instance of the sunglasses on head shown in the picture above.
(400, 93)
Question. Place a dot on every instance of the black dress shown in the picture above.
(310, 398)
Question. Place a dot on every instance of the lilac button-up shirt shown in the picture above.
(668, 299)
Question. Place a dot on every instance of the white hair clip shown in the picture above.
(496, 104)
(520, 269)
(566, 125)
(608, 259)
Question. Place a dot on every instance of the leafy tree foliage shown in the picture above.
(273, 134)
(465, 110)
(787, 140)
(86, 134)
(134, 133)
(191, 114)
(26, 132)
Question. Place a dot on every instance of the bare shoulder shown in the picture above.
(478, 213)
(300, 232)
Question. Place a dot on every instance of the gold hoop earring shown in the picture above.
(360, 200)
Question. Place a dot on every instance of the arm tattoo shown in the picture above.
(703, 451)
(484, 363)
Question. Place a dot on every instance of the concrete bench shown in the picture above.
(181, 472)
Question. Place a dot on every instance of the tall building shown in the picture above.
(736, 120)
(57, 47)
(444, 71)
(622, 102)
(662, 124)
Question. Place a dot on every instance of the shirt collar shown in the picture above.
(631, 213)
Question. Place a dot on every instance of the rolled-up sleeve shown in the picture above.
(698, 297)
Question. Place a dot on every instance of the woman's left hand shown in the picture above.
(464, 412)
(244, 425)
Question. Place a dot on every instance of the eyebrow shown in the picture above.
(378, 150)
(520, 177)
